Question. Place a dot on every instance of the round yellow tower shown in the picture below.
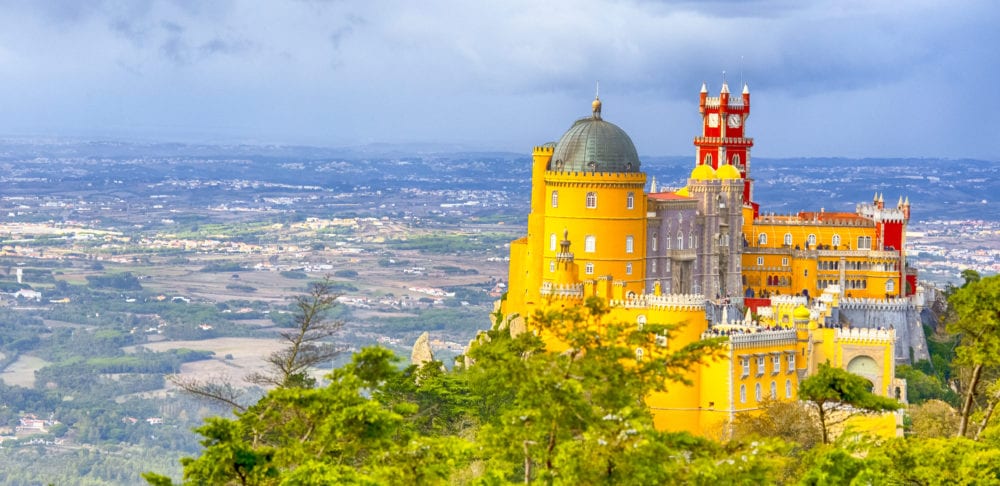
(594, 195)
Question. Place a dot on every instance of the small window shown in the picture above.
(653, 266)
(652, 243)
(588, 269)
(680, 242)
(788, 239)
(774, 390)
(761, 365)
(757, 393)
(630, 201)
(736, 159)
(640, 321)
(788, 388)
(629, 244)
(811, 239)
(836, 240)
(708, 160)
(638, 354)
(591, 200)
(743, 393)
(590, 244)
(890, 286)
(776, 363)
(628, 269)
(555, 199)
(784, 262)
(552, 242)
(791, 362)
(760, 261)
(691, 241)
(746, 367)
(552, 266)
(762, 239)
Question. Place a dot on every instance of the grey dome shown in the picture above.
(594, 145)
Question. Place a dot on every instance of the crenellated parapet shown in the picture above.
(751, 337)
(863, 335)
(863, 303)
(562, 291)
(789, 300)
(680, 302)
(882, 214)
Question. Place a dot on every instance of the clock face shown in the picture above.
(734, 121)
(713, 120)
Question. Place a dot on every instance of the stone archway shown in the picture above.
(869, 368)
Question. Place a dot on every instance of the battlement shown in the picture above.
(686, 302)
(890, 215)
(544, 149)
(735, 104)
(866, 335)
(789, 300)
(862, 303)
(742, 336)
(556, 177)
(562, 291)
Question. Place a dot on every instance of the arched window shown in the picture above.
(890, 286)
(743, 393)
(552, 266)
(552, 242)
(760, 261)
(708, 160)
(630, 201)
(629, 244)
(736, 159)
(588, 269)
(680, 242)
(762, 239)
(590, 244)
(628, 268)
(811, 239)
(788, 239)
(638, 354)
(640, 321)
(836, 240)
(691, 241)
(652, 243)
(555, 199)
(591, 200)
(757, 393)
(788, 388)
(652, 266)
(774, 390)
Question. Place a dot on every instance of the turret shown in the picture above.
(702, 97)
(906, 208)
(881, 202)
(746, 98)
(724, 97)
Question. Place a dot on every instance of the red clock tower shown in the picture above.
(723, 139)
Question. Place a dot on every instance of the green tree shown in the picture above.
(836, 395)
(976, 318)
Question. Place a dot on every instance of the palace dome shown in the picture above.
(683, 192)
(594, 145)
(727, 171)
(801, 313)
(703, 172)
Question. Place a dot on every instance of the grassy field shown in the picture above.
(22, 371)
(247, 356)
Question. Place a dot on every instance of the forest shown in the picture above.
(514, 411)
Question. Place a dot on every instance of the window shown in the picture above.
(638, 354)
(761, 365)
(680, 242)
(864, 242)
(762, 239)
(708, 160)
(836, 240)
(760, 261)
(736, 159)
(756, 392)
(811, 239)
(890, 286)
(661, 340)
(555, 199)
(590, 244)
(776, 363)
(630, 201)
(653, 266)
(743, 393)
(652, 243)
(774, 390)
(788, 388)
(691, 242)
(791, 362)
(640, 321)
(552, 242)
(588, 269)
(591, 200)
(552, 266)
(746, 367)
(784, 262)
(788, 239)
(628, 269)
(629, 244)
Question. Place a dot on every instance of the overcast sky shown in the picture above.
(828, 78)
